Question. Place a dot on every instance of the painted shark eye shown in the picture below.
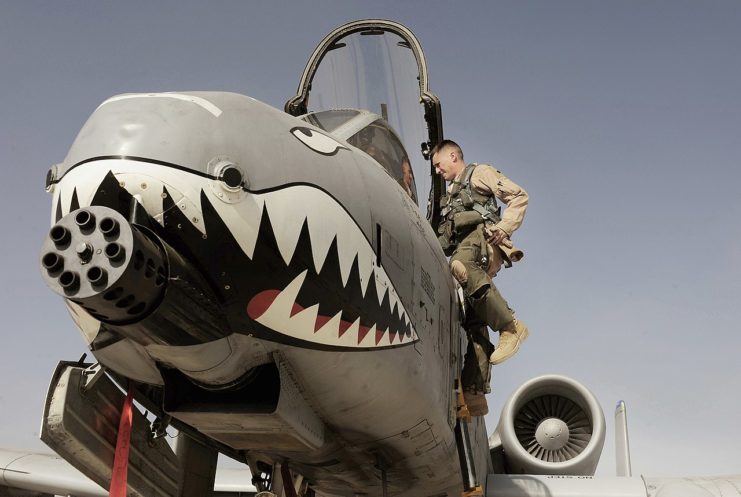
(317, 141)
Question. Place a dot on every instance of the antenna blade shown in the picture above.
(622, 448)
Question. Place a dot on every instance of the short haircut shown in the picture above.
(445, 144)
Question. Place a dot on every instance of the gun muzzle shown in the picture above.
(127, 277)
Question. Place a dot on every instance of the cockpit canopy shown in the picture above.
(377, 66)
(373, 135)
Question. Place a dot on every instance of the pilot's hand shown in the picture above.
(494, 235)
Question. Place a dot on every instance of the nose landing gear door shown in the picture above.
(379, 66)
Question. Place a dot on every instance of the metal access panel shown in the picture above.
(81, 418)
(270, 413)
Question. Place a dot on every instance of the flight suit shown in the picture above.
(474, 262)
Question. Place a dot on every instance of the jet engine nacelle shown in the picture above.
(550, 425)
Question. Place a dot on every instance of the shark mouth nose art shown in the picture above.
(289, 264)
(337, 294)
(279, 310)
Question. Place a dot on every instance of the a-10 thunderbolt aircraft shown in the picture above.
(270, 284)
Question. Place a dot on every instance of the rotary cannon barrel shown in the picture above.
(95, 258)
(128, 278)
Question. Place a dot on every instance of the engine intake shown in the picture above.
(550, 425)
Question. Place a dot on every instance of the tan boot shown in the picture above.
(510, 339)
(476, 403)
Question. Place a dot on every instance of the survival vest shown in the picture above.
(463, 209)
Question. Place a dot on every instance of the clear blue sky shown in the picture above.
(622, 119)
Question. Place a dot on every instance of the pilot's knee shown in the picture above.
(478, 284)
(460, 273)
(479, 291)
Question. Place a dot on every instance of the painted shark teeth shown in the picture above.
(285, 315)
(147, 177)
(299, 215)
(85, 183)
(289, 209)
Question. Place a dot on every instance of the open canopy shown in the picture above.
(366, 82)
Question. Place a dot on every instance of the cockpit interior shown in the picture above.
(370, 133)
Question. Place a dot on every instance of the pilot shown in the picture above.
(477, 236)
(407, 177)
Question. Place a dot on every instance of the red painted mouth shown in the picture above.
(261, 302)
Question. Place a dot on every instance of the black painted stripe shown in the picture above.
(208, 176)
(138, 159)
(379, 233)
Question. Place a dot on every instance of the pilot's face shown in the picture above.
(446, 164)
(406, 170)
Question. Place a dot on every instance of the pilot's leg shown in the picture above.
(476, 371)
(468, 265)
(476, 374)
(514, 332)
(487, 302)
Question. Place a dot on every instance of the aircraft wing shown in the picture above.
(29, 474)
(611, 486)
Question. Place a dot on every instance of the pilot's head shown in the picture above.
(447, 157)
(406, 172)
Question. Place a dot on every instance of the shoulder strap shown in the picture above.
(466, 179)
(486, 205)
